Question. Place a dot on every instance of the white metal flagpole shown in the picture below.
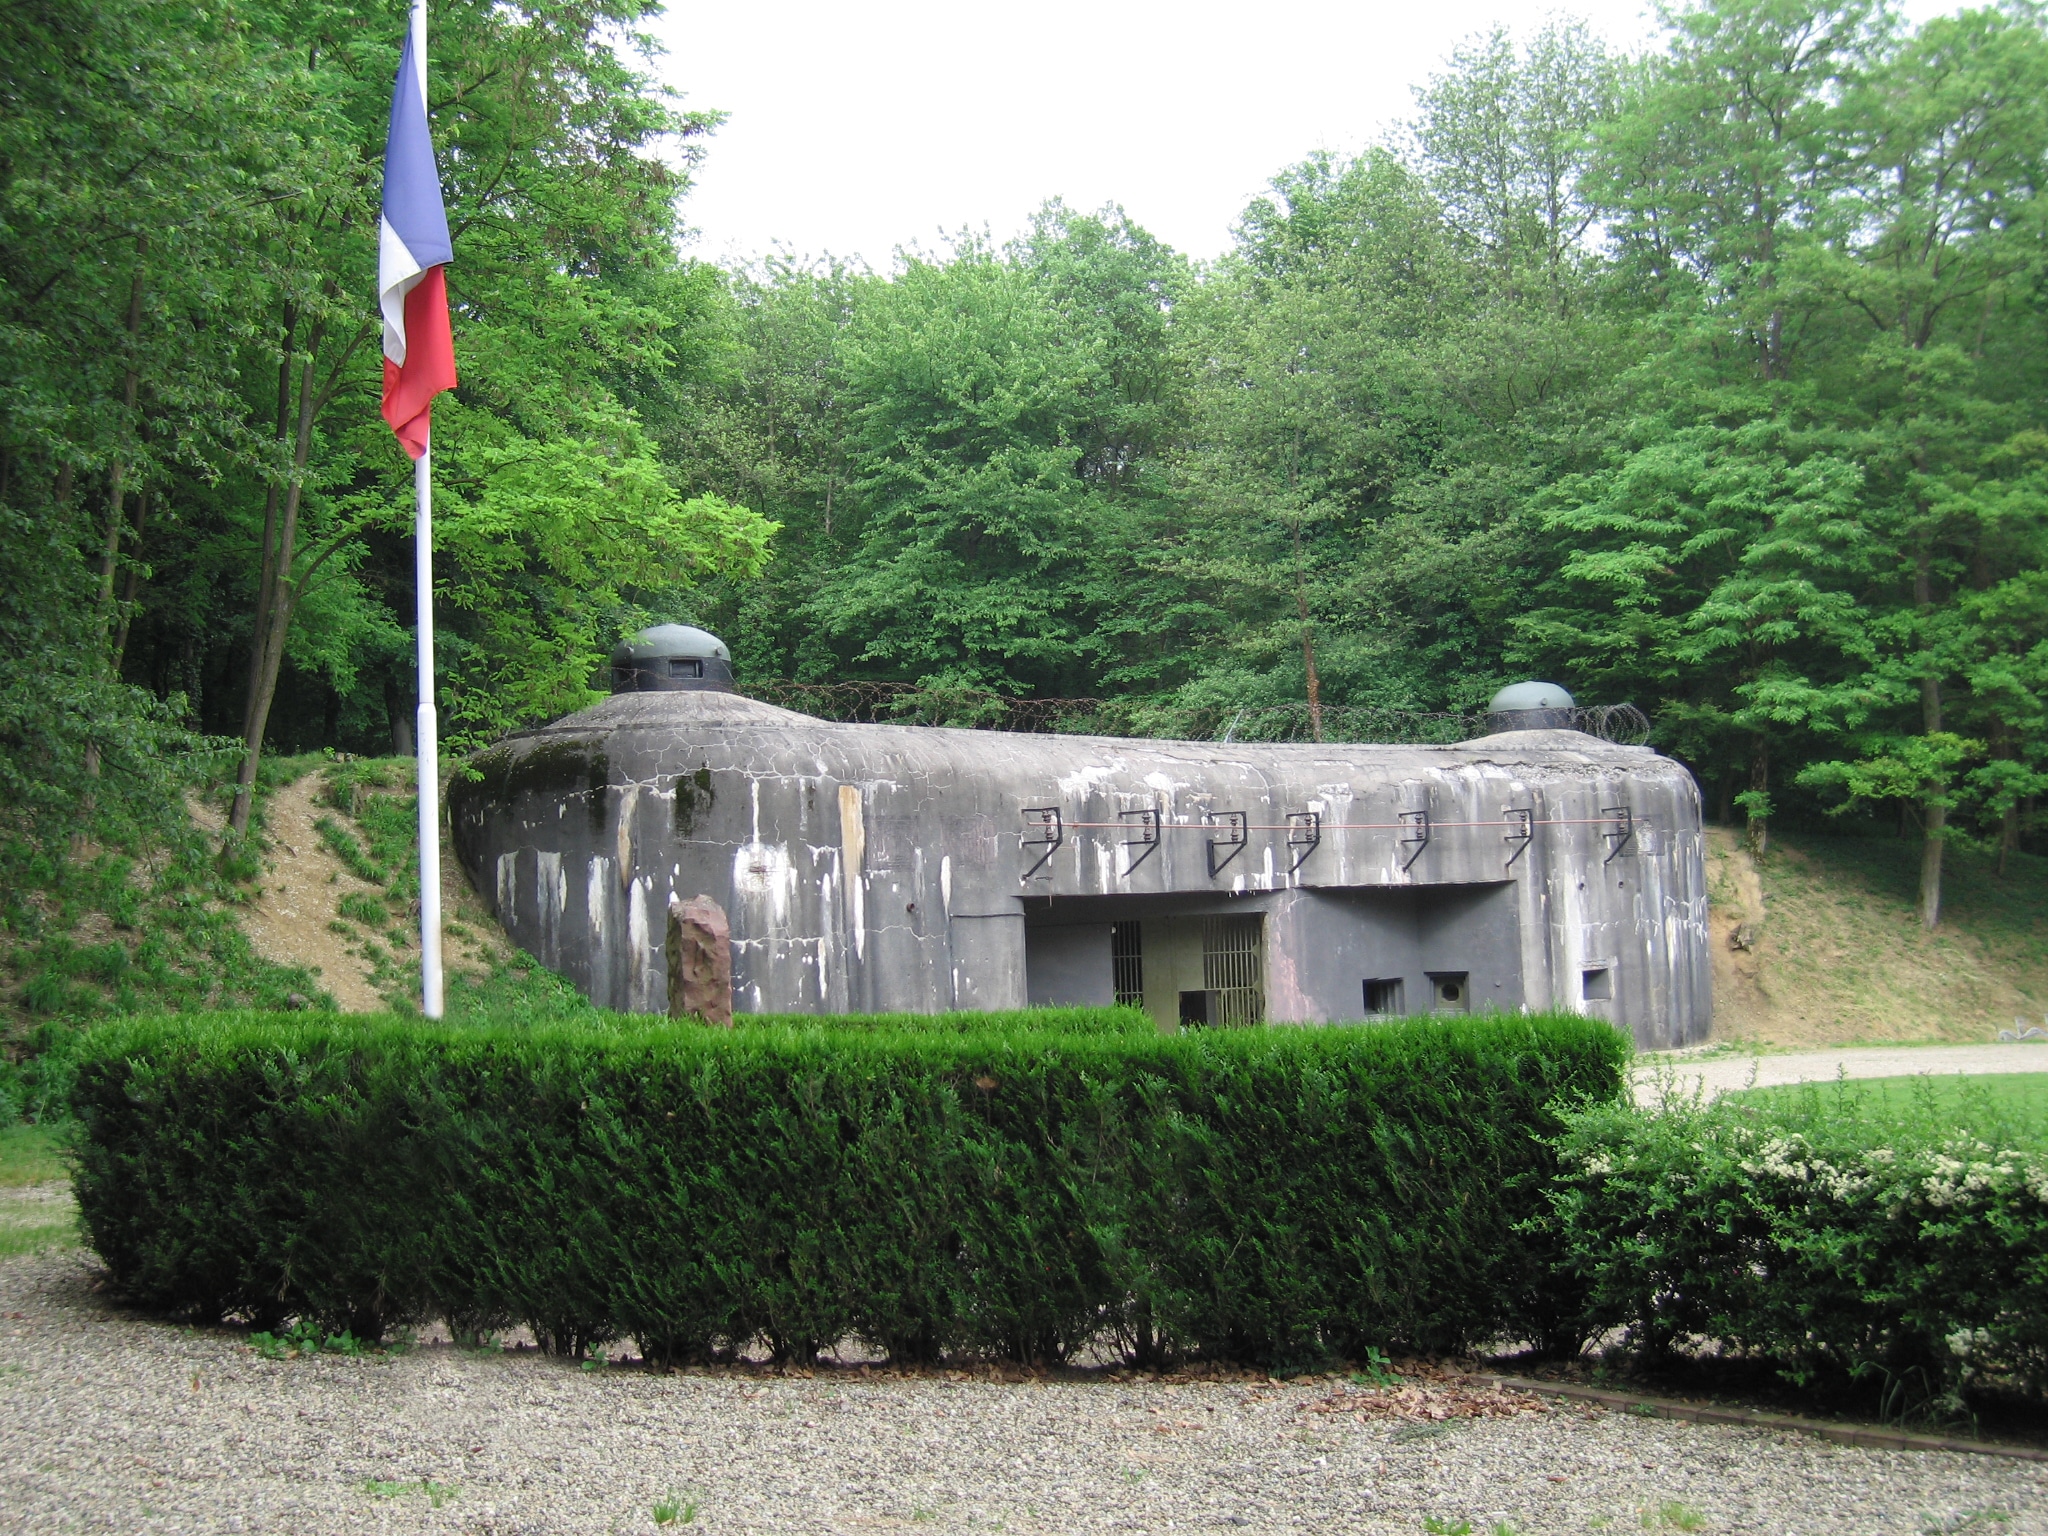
(430, 766)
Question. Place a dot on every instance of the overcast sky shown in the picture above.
(859, 126)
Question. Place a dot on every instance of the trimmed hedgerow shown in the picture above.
(1886, 1254)
(1272, 1194)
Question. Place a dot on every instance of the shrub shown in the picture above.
(1892, 1253)
(1002, 1189)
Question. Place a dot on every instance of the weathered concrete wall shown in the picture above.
(882, 868)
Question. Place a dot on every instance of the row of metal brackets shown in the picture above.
(1304, 835)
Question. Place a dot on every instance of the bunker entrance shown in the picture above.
(1187, 969)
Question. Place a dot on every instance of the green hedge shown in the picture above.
(1274, 1194)
(1848, 1243)
(1037, 1021)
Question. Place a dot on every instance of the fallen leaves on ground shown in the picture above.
(1427, 1401)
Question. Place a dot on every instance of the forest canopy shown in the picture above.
(1710, 379)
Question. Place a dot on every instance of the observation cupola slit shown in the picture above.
(671, 658)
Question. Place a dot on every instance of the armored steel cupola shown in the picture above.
(1530, 707)
(671, 657)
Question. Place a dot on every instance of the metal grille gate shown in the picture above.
(1127, 963)
(1234, 969)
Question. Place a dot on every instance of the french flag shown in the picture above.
(413, 249)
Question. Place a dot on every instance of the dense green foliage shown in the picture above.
(1898, 1249)
(1276, 1194)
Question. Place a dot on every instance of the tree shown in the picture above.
(1002, 413)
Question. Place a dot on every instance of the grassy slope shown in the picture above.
(1838, 955)
(91, 931)
(103, 932)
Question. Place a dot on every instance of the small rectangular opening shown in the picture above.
(1127, 964)
(1450, 992)
(1597, 984)
(1194, 1007)
(1383, 996)
(685, 666)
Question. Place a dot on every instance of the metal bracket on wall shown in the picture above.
(1417, 835)
(1234, 821)
(1521, 822)
(1305, 832)
(1621, 834)
(1054, 832)
(1147, 839)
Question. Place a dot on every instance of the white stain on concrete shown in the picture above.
(508, 886)
(628, 799)
(647, 986)
(552, 898)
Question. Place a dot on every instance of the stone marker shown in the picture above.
(699, 961)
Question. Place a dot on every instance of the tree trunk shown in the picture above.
(1315, 682)
(1934, 808)
(1308, 628)
(273, 625)
(1933, 816)
(133, 586)
(400, 717)
(1760, 781)
(117, 475)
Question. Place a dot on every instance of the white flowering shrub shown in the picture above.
(1895, 1252)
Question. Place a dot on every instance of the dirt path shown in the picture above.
(293, 920)
(1719, 1074)
(303, 884)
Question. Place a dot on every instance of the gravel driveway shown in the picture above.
(110, 1422)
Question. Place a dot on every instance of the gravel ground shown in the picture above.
(111, 1422)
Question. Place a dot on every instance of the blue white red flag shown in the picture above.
(412, 249)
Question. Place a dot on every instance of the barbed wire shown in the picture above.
(977, 709)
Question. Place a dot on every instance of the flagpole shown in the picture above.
(430, 767)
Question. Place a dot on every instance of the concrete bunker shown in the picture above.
(919, 869)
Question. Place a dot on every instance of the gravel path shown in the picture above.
(1718, 1074)
(109, 1422)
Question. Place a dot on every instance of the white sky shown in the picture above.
(860, 126)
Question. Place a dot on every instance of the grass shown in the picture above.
(33, 1217)
(348, 850)
(2006, 1109)
(1673, 1516)
(30, 1154)
(437, 1494)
